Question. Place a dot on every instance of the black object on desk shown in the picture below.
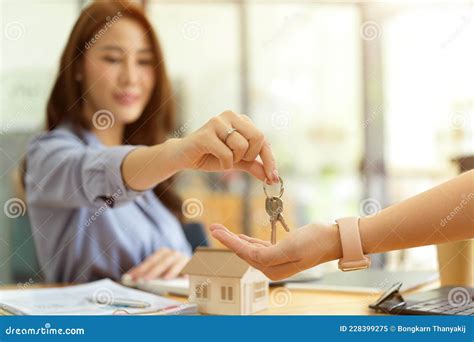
(447, 300)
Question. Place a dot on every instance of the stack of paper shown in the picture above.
(76, 300)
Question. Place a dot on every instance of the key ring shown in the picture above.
(282, 188)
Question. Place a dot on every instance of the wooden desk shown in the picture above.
(283, 301)
(303, 302)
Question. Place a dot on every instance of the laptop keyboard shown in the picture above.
(441, 306)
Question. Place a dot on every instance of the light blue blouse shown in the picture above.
(85, 222)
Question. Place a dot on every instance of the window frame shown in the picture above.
(224, 290)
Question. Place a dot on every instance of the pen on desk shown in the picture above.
(128, 303)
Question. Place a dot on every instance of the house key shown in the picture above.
(274, 209)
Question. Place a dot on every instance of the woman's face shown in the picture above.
(118, 73)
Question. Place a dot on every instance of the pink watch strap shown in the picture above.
(353, 257)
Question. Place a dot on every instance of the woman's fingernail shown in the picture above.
(276, 177)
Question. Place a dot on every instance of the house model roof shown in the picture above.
(216, 262)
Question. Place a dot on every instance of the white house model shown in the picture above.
(223, 284)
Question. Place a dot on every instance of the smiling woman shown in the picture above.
(125, 57)
(99, 182)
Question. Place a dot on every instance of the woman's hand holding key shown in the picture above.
(227, 141)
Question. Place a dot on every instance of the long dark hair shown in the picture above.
(158, 118)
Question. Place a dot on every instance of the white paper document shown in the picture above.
(76, 300)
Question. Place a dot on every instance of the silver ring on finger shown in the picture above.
(228, 133)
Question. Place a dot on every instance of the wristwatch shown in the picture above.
(353, 257)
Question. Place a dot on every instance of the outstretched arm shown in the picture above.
(442, 214)
(211, 148)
